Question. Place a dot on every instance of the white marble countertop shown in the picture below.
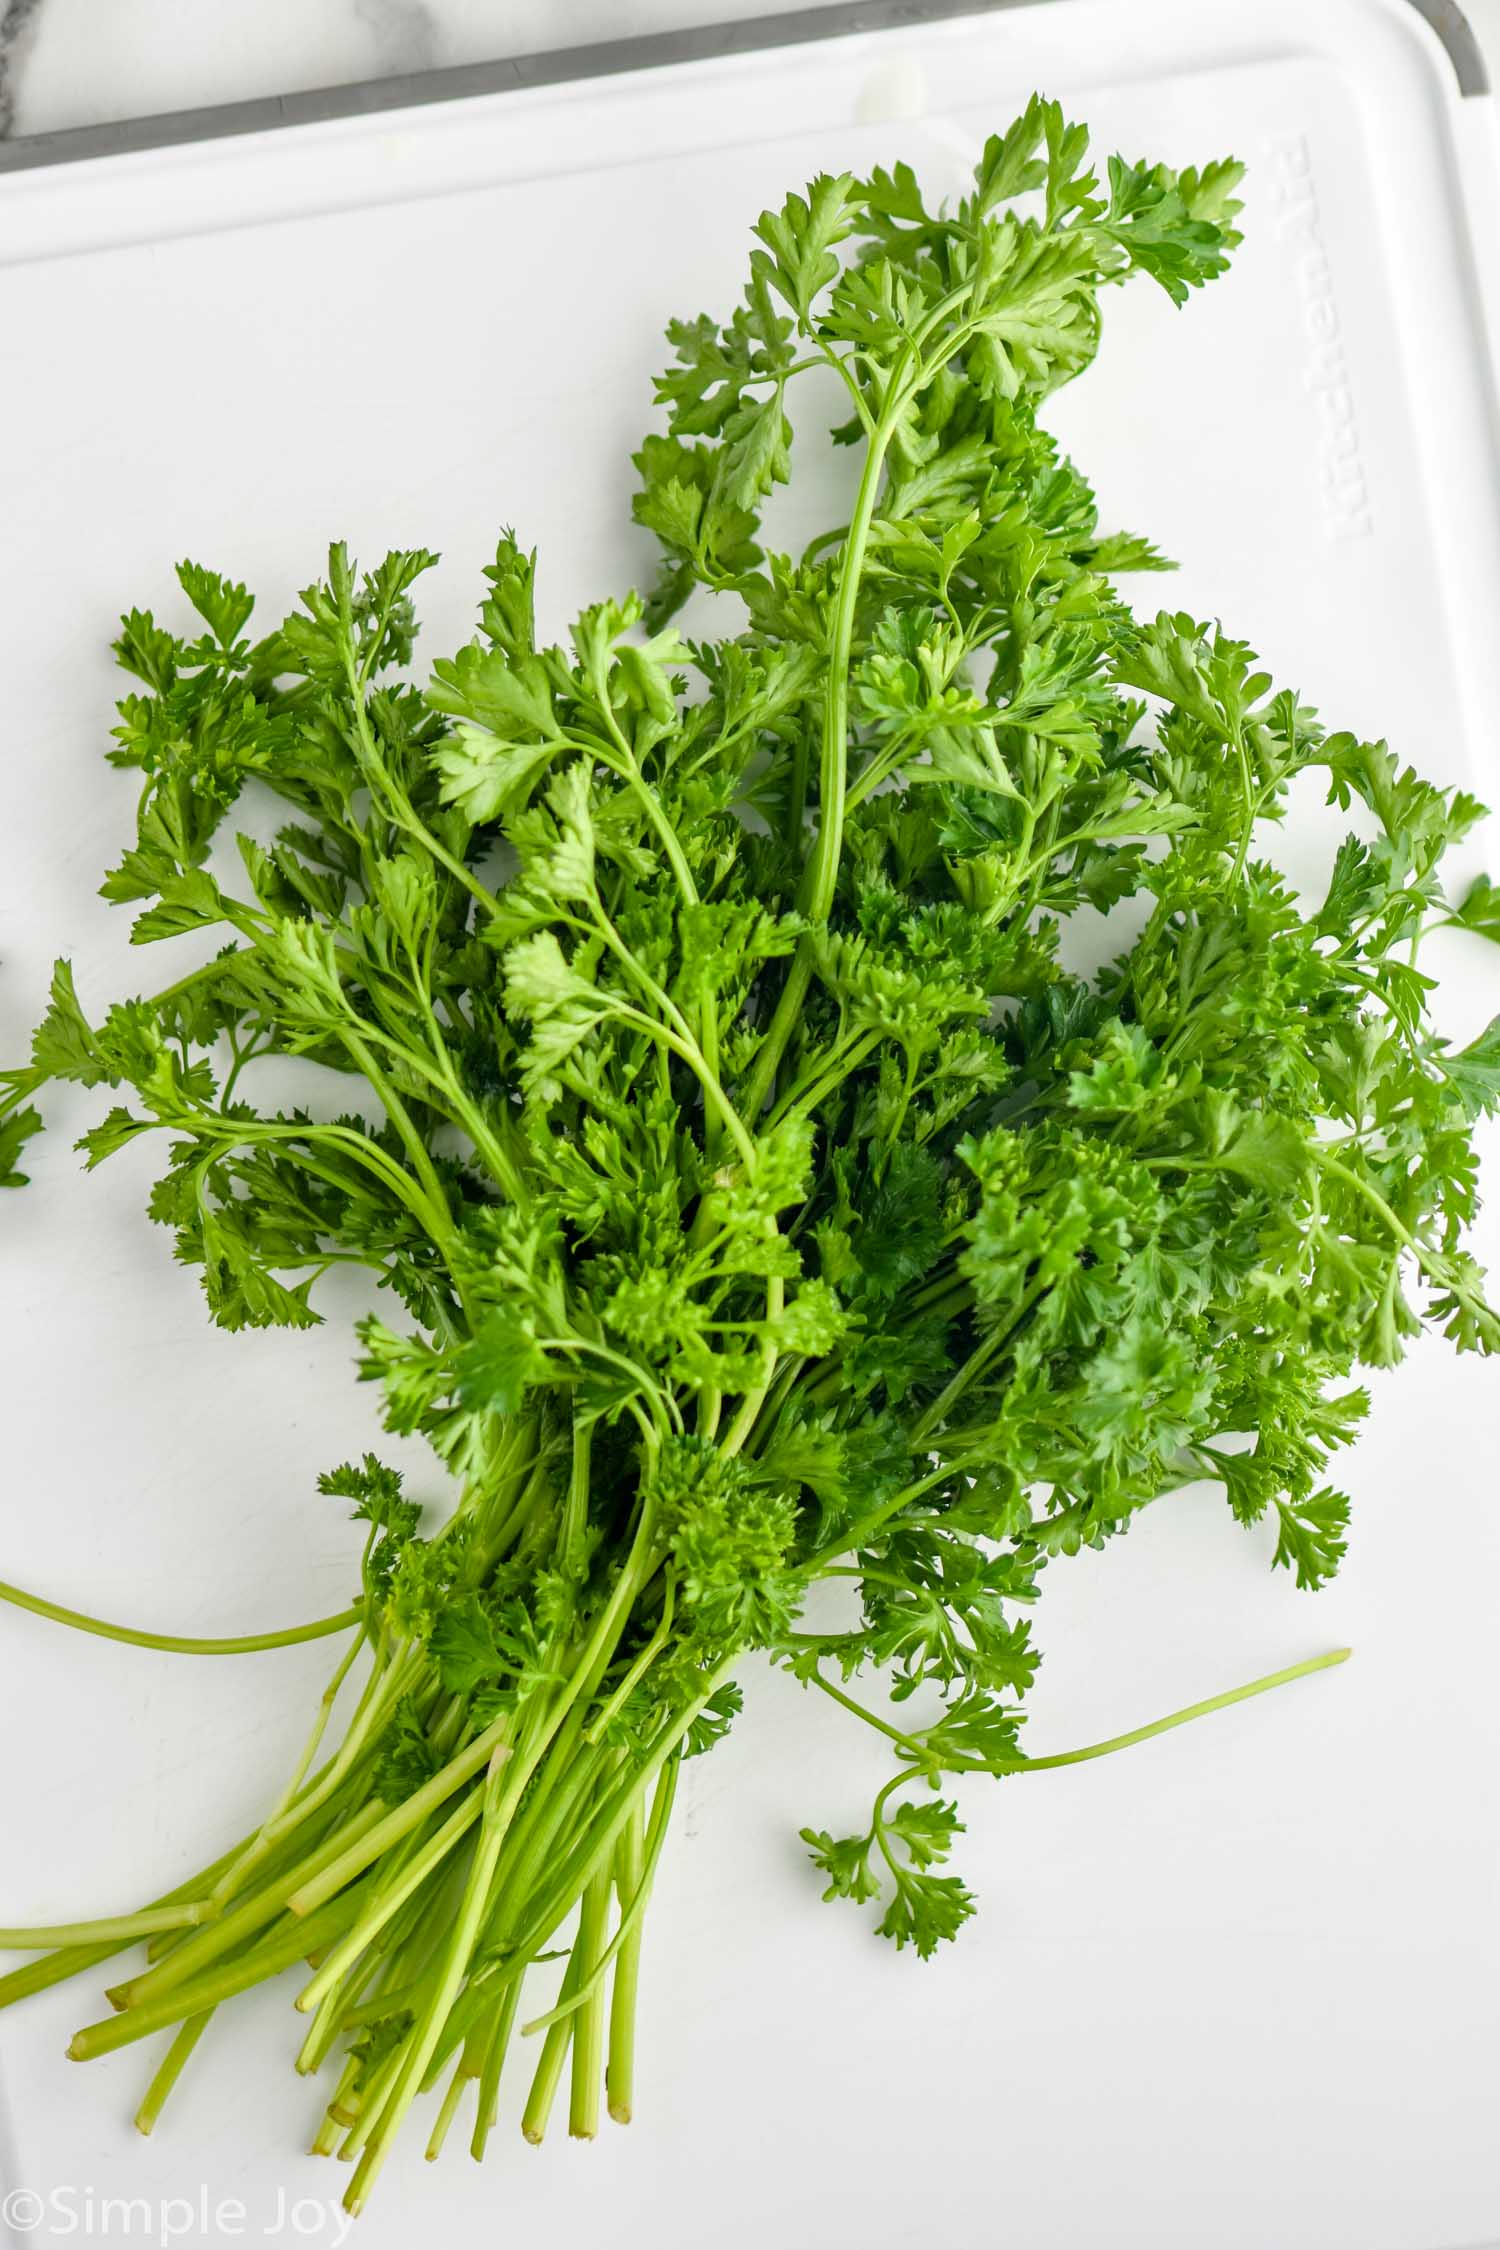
(87, 62)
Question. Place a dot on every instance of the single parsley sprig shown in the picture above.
(757, 1197)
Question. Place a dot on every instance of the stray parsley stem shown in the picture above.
(1212, 1703)
(71, 1960)
(176, 1644)
(123, 1929)
(908, 1744)
(926, 1757)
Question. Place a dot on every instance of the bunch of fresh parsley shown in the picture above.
(756, 1197)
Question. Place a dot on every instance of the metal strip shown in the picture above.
(464, 81)
(564, 66)
(1464, 51)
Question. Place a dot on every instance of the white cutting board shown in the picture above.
(1234, 1991)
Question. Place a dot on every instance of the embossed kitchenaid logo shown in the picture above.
(1342, 481)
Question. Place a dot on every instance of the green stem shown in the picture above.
(593, 1662)
(595, 1848)
(909, 1744)
(72, 1960)
(335, 2014)
(588, 2031)
(622, 761)
(382, 1692)
(575, 1524)
(833, 767)
(974, 1366)
(638, 1670)
(242, 1644)
(210, 969)
(707, 1028)
(684, 1046)
(496, 2046)
(1181, 1718)
(388, 1903)
(635, 1862)
(1251, 805)
(1382, 1209)
(806, 1093)
(277, 1952)
(367, 1152)
(925, 1760)
(338, 2115)
(471, 1119)
(549, 2070)
(397, 806)
(634, 1867)
(567, 1776)
(375, 1841)
(411, 1140)
(457, 2086)
(122, 1929)
(252, 1914)
(374, 2101)
(637, 1852)
(170, 2069)
(500, 1801)
(865, 1527)
(230, 1881)
(750, 1405)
